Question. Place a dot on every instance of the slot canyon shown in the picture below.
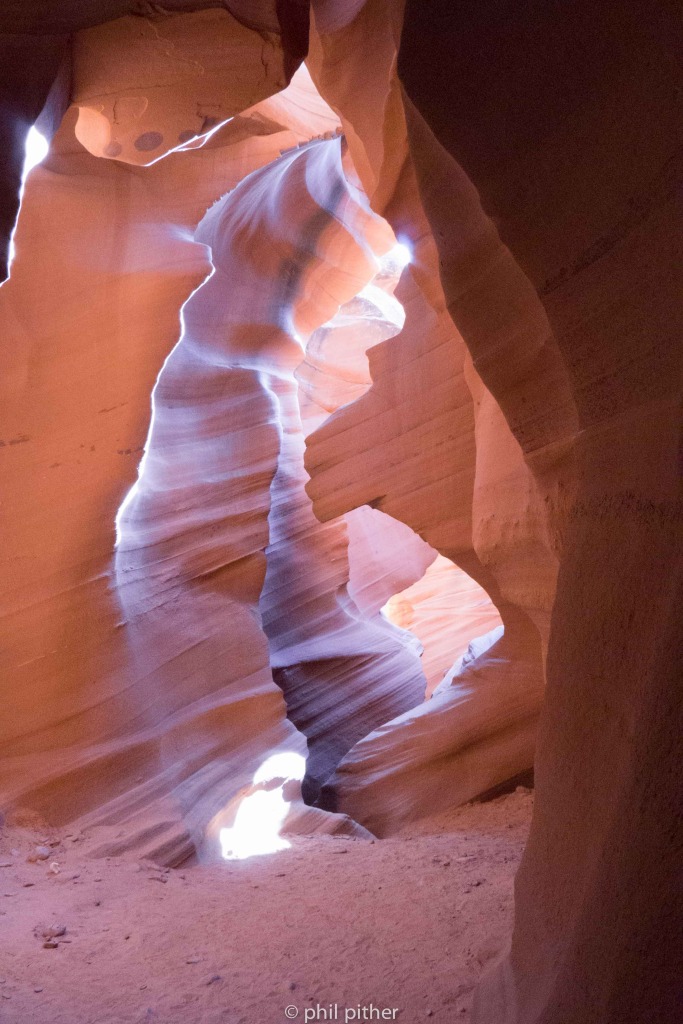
(341, 517)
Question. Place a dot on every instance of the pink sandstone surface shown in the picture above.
(341, 368)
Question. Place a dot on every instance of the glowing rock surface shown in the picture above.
(524, 422)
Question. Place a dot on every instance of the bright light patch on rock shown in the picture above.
(400, 254)
(36, 148)
(261, 815)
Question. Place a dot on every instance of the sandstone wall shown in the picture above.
(567, 121)
(524, 423)
(428, 445)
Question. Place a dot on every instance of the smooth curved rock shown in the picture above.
(447, 464)
(145, 86)
(473, 733)
(525, 422)
(445, 609)
(36, 49)
(581, 183)
(159, 717)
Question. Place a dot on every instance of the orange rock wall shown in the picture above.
(567, 122)
(524, 422)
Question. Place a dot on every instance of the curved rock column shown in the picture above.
(418, 446)
(98, 726)
(343, 669)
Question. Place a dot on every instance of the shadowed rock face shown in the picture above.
(575, 158)
(523, 423)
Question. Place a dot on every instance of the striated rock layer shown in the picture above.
(583, 308)
(120, 705)
(147, 706)
(154, 715)
(524, 422)
(428, 445)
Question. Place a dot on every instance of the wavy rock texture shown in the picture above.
(343, 669)
(385, 557)
(524, 422)
(428, 445)
(159, 720)
(581, 310)
(226, 448)
(439, 755)
(36, 77)
(157, 734)
(571, 323)
(421, 759)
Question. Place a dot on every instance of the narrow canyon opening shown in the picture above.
(340, 390)
(448, 613)
(344, 668)
(36, 148)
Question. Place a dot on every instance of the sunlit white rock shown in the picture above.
(36, 148)
(399, 256)
(261, 815)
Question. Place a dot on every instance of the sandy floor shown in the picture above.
(405, 925)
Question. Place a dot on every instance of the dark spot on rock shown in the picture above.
(187, 136)
(113, 149)
(148, 141)
(208, 123)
